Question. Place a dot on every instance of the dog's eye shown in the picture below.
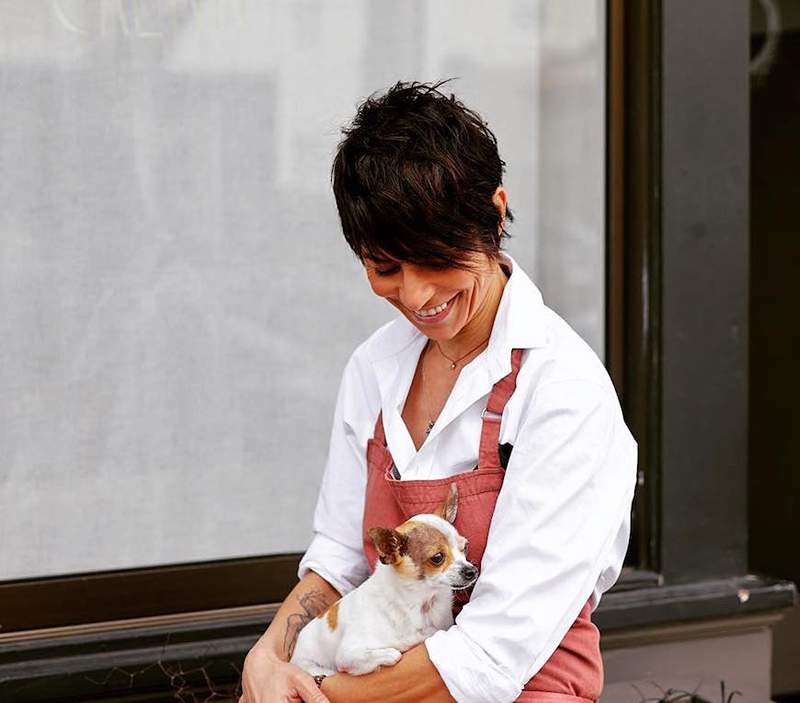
(466, 546)
(437, 558)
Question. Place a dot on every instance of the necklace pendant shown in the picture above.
(430, 427)
(453, 365)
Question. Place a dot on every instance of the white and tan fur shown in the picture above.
(406, 599)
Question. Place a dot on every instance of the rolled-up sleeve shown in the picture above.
(336, 551)
(567, 493)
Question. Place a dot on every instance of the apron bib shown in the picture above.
(574, 672)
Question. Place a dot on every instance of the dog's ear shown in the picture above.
(448, 509)
(391, 545)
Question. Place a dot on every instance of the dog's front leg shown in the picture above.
(359, 660)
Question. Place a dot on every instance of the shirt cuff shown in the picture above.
(469, 674)
(341, 566)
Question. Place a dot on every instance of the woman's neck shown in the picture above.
(479, 328)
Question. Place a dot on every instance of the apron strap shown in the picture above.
(488, 456)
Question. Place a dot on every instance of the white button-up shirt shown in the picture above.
(561, 525)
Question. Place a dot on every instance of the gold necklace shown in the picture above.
(453, 362)
(431, 422)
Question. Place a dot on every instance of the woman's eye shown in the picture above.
(437, 558)
(387, 272)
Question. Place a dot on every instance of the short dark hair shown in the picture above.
(414, 178)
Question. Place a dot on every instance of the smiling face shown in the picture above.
(438, 302)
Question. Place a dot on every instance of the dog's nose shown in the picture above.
(469, 572)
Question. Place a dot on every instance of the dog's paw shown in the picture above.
(366, 661)
(387, 657)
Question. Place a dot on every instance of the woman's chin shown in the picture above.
(438, 333)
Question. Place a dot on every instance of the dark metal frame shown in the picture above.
(77, 599)
(633, 248)
(704, 288)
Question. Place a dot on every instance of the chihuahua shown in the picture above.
(407, 598)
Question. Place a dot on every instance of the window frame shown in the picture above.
(79, 599)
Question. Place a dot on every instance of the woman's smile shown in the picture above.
(453, 306)
(436, 313)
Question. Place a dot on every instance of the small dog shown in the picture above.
(406, 599)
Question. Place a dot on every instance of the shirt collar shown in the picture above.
(520, 320)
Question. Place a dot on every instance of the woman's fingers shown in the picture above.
(268, 680)
(310, 691)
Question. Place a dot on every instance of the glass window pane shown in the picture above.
(178, 302)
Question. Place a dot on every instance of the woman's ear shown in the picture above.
(499, 199)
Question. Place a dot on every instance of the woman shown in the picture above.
(478, 382)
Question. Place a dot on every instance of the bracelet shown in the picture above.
(318, 679)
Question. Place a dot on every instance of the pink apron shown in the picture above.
(574, 672)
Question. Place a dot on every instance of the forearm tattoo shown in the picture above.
(313, 603)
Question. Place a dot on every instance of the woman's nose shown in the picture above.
(415, 292)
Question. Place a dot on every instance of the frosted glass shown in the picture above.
(177, 302)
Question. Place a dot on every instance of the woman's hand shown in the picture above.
(267, 676)
(267, 679)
